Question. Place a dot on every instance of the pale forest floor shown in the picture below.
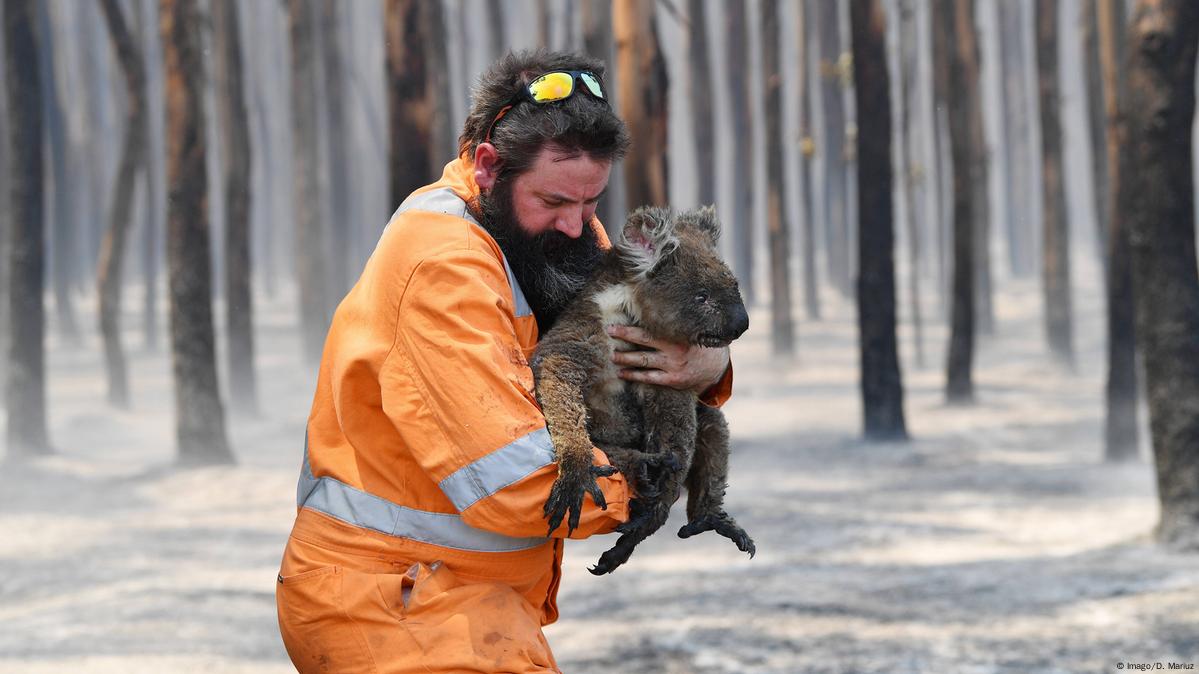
(995, 541)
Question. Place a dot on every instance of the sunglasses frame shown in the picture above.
(526, 94)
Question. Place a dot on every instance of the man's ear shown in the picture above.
(487, 165)
(648, 237)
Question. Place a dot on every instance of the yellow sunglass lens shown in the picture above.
(552, 87)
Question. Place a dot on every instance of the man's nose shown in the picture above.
(570, 223)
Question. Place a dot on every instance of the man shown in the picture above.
(420, 543)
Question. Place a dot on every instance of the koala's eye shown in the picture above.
(701, 297)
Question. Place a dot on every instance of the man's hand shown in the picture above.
(679, 366)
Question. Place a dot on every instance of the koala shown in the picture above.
(666, 277)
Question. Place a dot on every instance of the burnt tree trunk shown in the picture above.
(596, 17)
(1158, 205)
(310, 241)
(782, 330)
(26, 394)
(63, 186)
(807, 148)
(979, 159)
(1120, 436)
(199, 418)
(1055, 258)
(908, 74)
(957, 20)
(1095, 125)
(1015, 134)
(5, 218)
(236, 158)
(409, 98)
(444, 136)
(737, 88)
(882, 384)
(495, 27)
(643, 96)
(834, 72)
(133, 159)
(338, 149)
(702, 110)
(154, 191)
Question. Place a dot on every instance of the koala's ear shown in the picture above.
(648, 237)
(706, 221)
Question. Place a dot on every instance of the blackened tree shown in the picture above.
(882, 383)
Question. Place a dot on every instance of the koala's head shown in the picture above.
(683, 291)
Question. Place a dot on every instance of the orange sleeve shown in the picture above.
(721, 391)
(475, 427)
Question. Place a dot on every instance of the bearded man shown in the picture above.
(419, 543)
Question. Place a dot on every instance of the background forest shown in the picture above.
(965, 420)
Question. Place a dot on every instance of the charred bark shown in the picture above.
(1014, 125)
(199, 417)
(5, 218)
(834, 68)
(1095, 126)
(643, 84)
(782, 330)
(882, 384)
(737, 86)
(62, 186)
(409, 98)
(1055, 258)
(807, 166)
(236, 158)
(907, 87)
(496, 28)
(957, 19)
(338, 166)
(309, 234)
(112, 247)
(596, 16)
(154, 192)
(1158, 205)
(26, 397)
(1120, 436)
(702, 108)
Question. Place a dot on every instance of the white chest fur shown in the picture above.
(617, 306)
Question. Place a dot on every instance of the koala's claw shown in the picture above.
(566, 496)
(724, 525)
(615, 557)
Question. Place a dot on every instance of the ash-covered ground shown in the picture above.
(995, 541)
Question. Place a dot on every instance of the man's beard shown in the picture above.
(550, 267)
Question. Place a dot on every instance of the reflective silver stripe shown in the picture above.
(444, 201)
(519, 302)
(504, 466)
(354, 506)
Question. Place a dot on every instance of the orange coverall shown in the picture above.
(419, 543)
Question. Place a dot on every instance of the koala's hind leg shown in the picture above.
(707, 480)
(670, 432)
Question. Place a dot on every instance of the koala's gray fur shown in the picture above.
(664, 276)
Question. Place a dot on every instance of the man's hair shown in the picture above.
(579, 124)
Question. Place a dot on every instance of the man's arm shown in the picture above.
(479, 434)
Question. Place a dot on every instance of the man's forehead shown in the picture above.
(561, 174)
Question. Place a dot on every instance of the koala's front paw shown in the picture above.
(723, 524)
(575, 479)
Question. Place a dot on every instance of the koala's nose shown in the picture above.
(738, 320)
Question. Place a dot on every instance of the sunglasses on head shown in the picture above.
(558, 85)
